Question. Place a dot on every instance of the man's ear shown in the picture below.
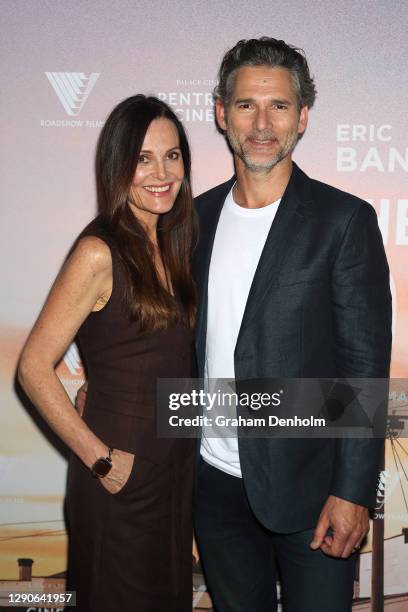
(220, 114)
(303, 117)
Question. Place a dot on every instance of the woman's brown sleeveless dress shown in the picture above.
(131, 551)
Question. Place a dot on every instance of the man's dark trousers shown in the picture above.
(242, 559)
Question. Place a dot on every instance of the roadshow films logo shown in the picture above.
(72, 90)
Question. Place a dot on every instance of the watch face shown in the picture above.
(101, 467)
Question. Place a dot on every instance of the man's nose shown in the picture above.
(262, 119)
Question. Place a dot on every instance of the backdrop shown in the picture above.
(64, 66)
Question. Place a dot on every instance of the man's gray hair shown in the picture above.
(271, 52)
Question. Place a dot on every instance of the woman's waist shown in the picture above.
(130, 373)
(134, 401)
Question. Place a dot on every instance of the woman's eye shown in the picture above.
(174, 155)
(143, 159)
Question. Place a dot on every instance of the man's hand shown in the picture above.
(80, 399)
(349, 524)
(117, 477)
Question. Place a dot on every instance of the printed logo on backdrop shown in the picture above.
(388, 482)
(70, 371)
(191, 99)
(368, 148)
(73, 361)
(72, 90)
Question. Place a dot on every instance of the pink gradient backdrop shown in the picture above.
(357, 53)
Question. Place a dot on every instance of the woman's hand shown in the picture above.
(80, 399)
(118, 475)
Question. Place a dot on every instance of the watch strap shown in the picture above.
(102, 465)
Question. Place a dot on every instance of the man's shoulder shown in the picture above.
(214, 195)
(329, 198)
(326, 198)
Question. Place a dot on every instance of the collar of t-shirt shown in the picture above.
(264, 211)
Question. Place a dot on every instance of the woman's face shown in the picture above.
(159, 172)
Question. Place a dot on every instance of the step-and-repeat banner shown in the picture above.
(64, 66)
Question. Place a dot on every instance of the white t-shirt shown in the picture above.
(240, 237)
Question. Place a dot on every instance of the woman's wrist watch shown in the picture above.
(102, 466)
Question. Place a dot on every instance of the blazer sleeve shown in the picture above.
(361, 301)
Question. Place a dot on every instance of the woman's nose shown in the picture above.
(160, 170)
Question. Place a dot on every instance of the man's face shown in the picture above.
(262, 120)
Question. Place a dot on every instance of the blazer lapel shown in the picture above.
(209, 215)
(282, 237)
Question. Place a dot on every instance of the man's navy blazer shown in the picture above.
(319, 306)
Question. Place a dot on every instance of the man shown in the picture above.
(293, 282)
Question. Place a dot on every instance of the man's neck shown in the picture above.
(258, 189)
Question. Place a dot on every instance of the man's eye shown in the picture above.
(280, 106)
(245, 106)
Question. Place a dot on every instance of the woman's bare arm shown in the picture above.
(85, 280)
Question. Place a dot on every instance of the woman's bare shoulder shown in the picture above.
(94, 252)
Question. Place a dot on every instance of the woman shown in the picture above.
(127, 294)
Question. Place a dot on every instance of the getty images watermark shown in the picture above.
(226, 401)
(285, 408)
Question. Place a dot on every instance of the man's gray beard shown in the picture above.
(267, 166)
(260, 168)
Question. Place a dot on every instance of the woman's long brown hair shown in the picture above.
(117, 156)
